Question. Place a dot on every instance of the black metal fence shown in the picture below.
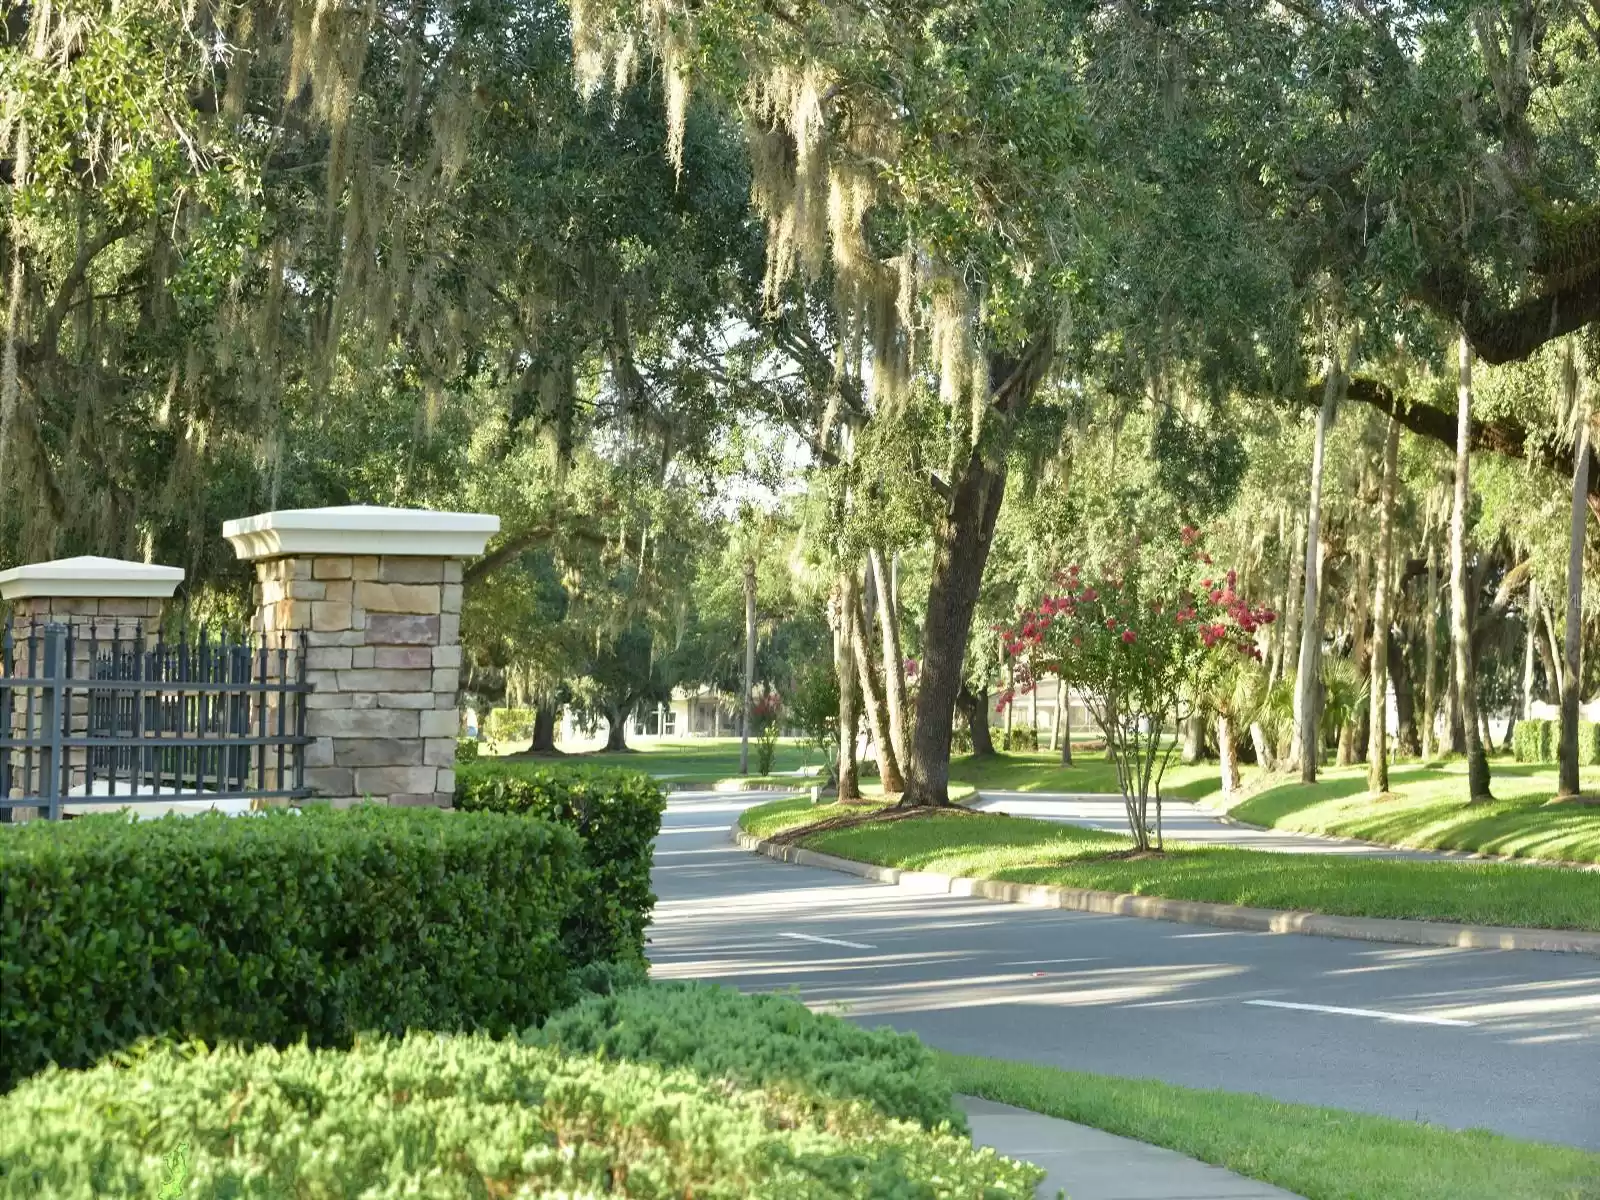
(91, 715)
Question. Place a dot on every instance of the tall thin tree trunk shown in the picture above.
(1289, 650)
(844, 602)
(1228, 753)
(1008, 669)
(1309, 671)
(1359, 651)
(1567, 753)
(1460, 627)
(1530, 649)
(1378, 678)
(1430, 653)
(1550, 649)
(975, 707)
(1055, 721)
(894, 663)
(877, 706)
(1064, 719)
(749, 663)
(962, 539)
(1033, 712)
(1263, 746)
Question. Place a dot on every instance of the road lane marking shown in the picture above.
(1405, 1018)
(826, 941)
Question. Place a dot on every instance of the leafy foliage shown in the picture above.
(770, 1042)
(278, 928)
(445, 1117)
(616, 815)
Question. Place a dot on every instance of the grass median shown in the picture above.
(1019, 850)
(1427, 807)
(1317, 1153)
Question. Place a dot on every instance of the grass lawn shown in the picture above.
(1427, 808)
(1318, 1153)
(691, 760)
(1090, 772)
(1026, 851)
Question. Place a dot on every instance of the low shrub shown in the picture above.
(449, 1116)
(509, 725)
(277, 928)
(1534, 741)
(1022, 737)
(467, 750)
(762, 1041)
(1589, 743)
(616, 814)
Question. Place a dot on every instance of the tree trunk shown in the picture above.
(1008, 669)
(1405, 699)
(616, 730)
(962, 540)
(1348, 740)
(1289, 651)
(1033, 712)
(749, 663)
(1378, 674)
(1567, 752)
(1264, 756)
(1460, 630)
(1228, 754)
(1064, 720)
(1555, 677)
(975, 707)
(544, 728)
(844, 602)
(1430, 654)
(1194, 737)
(1530, 649)
(877, 706)
(894, 663)
(1307, 745)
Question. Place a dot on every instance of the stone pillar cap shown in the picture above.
(361, 529)
(89, 575)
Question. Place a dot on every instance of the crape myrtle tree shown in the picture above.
(1141, 638)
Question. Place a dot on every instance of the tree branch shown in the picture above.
(1497, 437)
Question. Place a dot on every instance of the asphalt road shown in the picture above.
(1503, 1040)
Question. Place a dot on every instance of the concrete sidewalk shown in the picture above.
(1090, 1164)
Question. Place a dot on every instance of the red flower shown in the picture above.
(1090, 594)
(1188, 533)
(1128, 636)
(1111, 622)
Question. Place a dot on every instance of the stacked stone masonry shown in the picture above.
(383, 648)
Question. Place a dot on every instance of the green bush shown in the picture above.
(509, 725)
(277, 927)
(758, 1041)
(441, 1117)
(1589, 743)
(1022, 737)
(467, 750)
(1534, 741)
(617, 814)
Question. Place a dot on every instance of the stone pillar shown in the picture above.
(103, 601)
(377, 592)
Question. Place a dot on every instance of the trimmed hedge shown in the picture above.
(450, 1116)
(764, 1041)
(617, 814)
(1540, 741)
(277, 927)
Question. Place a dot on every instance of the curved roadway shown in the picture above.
(1504, 1040)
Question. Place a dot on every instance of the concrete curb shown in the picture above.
(1189, 912)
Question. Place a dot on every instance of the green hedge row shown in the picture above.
(448, 1116)
(762, 1041)
(1540, 741)
(277, 928)
(617, 814)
